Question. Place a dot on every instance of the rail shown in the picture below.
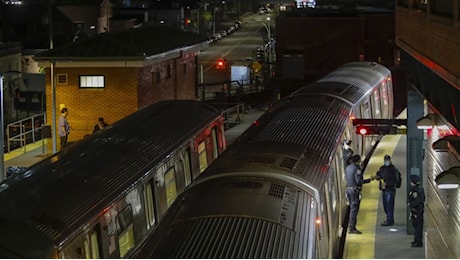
(225, 89)
(25, 131)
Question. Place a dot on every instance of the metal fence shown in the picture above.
(25, 131)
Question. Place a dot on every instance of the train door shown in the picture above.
(92, 245)
(165, 188)
(187, 166)
(333, 211)
(202, 156)
(149, 204)
(365, 140)
(375, 100)
(215, 143)
(384, 100)
(170, 185)
(125, 231)
(323, 229)
(86, 246)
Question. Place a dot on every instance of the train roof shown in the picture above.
(56, 194)
(352, 81)
(299, 135)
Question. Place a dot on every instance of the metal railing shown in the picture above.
(222, 90)
(25, 131)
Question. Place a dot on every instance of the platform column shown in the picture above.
(415, 141)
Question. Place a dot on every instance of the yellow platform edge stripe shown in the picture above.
(363, 246)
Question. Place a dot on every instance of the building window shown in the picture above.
(92, 82)
(168, 71)
(61, 79)
(156, 76)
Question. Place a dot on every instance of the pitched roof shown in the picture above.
(132, 44)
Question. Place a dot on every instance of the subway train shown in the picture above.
(103, 196)
(278, 191)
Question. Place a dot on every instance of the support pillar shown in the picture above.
(415, 138)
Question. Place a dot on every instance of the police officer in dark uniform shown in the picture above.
(415, 202)
(389, 177)
(355, 180)
(347, 152)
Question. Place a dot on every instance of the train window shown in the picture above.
(187, 168)
(171, 190)
(87, 250)
(333, 190)
(125, 231)
(149, 204)
(376, 103)
(384, 99)
(94, 246)
(365, 110)
(215, 143)
(202, 156)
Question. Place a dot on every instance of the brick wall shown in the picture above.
(126, 90)
(433, 37)
(179, 85)
(85, 105)
(328, 42)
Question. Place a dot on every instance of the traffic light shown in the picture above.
(187, 21)
(221, 64)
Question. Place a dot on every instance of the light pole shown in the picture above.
(2, 127)
(269, 45)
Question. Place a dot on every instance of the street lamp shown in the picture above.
(269, 45)
(2, 127)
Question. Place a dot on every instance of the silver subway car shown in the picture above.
(278, 190)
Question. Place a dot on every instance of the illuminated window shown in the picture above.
(215, 143)
(125, 231)
(149, 205)
(202, 156)
(92, 82)
(171, 190)
(94, 246)
(187, 168)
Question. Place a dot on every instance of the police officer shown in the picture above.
(355, 180)
(347, 152)
(389, 178)
(415, 202)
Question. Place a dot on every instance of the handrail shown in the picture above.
(25, 131)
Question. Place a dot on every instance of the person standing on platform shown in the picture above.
(355, 180)
(390, 179)
(415, 203)
(64, 128)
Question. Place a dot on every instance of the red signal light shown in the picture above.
(220, 64)
(362, 130)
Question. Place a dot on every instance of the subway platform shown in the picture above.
(376, 241)
(35, 152)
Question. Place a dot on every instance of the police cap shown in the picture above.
(414, 178)
(387, 157)
(356, 158)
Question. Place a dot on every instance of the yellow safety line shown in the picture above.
(21, 151)
(363, 246)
